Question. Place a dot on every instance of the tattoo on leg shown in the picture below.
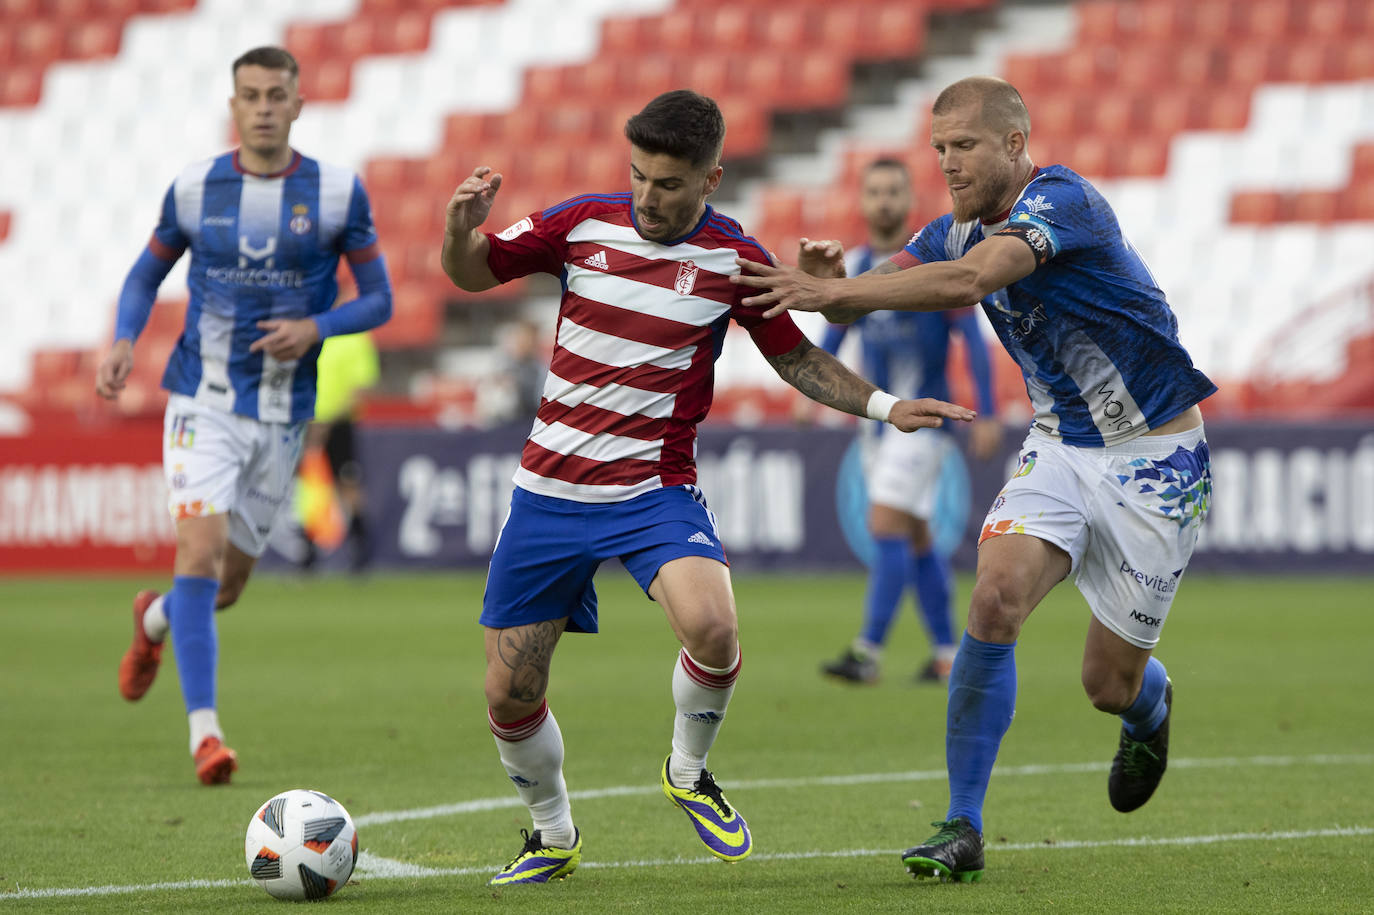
(528, 652)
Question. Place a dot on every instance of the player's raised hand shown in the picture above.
(782, 287)
(821, 257)
(471, 202)
(114, 369)
(926, 413)
(286, 338)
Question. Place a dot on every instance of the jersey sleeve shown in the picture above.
(925, 246)
(359, 238)
(1054, 218)
(773, 336)
(535, 244)
(168, 241)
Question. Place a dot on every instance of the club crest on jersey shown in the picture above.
(686, 278)
(300, 219)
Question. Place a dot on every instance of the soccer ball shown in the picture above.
(301, 845)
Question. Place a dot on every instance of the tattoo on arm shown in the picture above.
(528, 652)
(823, 378)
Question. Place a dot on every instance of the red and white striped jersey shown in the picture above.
(639, 329)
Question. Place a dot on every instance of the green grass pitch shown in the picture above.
(371, 690)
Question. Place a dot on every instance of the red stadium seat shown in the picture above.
(1097, 22)
(20, 85)
(1165, 21)
(730, 30)
(1314, 206)
(94, 38)
(623, 36)
(37, 42)
(1310, 61)
(1143, 156)
(1267, 20)
(13, 12)
(1254, 207)
(326, 81)
(1212, 22)
(897, 30)
(1226, 109)
(1362, 164)
(406, 33)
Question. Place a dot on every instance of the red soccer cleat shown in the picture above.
(215, 762)
(140, 662)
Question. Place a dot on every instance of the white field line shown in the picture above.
(916, 775)
(371, 866)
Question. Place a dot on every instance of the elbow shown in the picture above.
(385, 307)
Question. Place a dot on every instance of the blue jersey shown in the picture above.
(261, 247)
(1093, 334)
(907, 352)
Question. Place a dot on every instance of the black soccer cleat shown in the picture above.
(954, 853)
(1139, 764)
(853, 667)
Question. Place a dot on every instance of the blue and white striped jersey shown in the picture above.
(261, 247)
(1093, 334)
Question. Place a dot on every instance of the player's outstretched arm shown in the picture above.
(464, 255)
(824, 379)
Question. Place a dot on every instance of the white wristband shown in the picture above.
(880, 406)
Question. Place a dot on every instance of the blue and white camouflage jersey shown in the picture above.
(261, 247)
(1093, 334)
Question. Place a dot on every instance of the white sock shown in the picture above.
(532, 751)
(155, 620)
(866, 649)
(204, 723)
(701, 694)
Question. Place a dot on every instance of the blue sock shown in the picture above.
(1147, 712)
(886, 581)
(933, 579)
(190, 608)
(982, 699)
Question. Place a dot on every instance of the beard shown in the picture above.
(982, 203)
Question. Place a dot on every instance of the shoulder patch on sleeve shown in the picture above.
(520, 228)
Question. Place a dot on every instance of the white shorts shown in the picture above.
(903, 470)
(1128, 516)
(217, 462)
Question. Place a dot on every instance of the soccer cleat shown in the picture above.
(954, 853)
(721, 829)
(139, 664)
(215, 762)
(854, 667)
(936, 671)
(1139, 764)
(538, 863)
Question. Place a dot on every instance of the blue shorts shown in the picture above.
(550, 548)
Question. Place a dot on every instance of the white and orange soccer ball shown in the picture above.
(301, 844)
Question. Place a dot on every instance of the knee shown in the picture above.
(1108, 690)
(229, 593)
(506, 707)
(995, 612)
(715, 643)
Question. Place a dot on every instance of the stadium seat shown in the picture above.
(1255, 207)
(1314, 206)
(1097, 22)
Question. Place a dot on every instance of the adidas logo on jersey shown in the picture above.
(598, 261)
(699, 537)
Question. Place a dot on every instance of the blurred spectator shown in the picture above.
(348, 367)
